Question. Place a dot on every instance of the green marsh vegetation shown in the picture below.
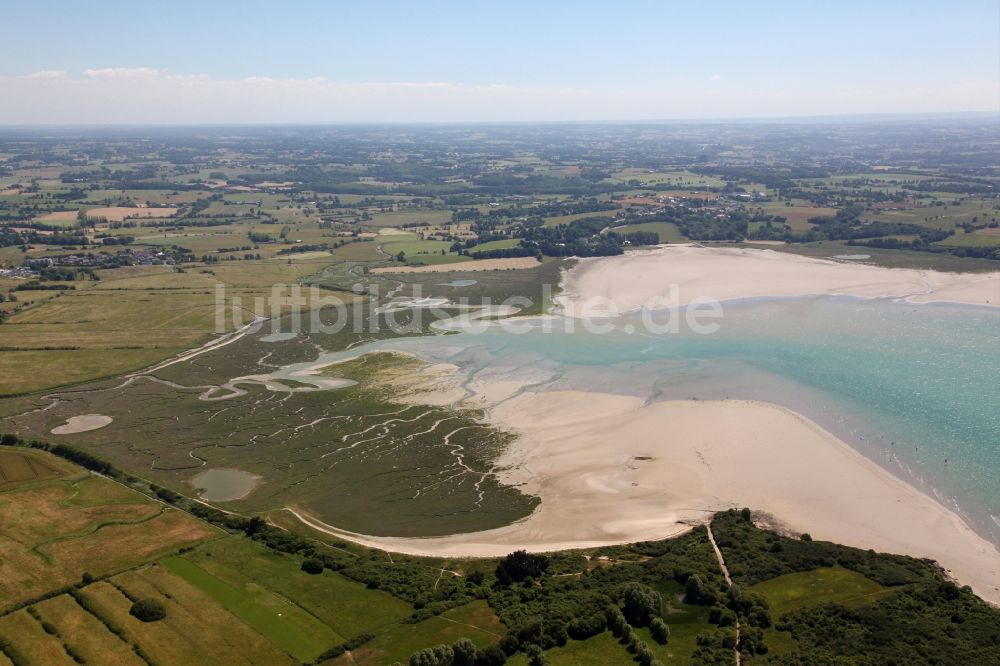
(342, 454)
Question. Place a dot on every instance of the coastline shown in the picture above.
(613, 469)
(608, 286)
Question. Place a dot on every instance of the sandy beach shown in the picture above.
(613, 469)
(612, 285)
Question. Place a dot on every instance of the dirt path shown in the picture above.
(729, 582)
(464, 624)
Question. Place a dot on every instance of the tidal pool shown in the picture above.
(225, 485)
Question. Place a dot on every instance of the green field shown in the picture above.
(475, 621)
(289, 626)
(496, 245)
(667, 231)
(130, 319)
(825, 585)
(344, 605)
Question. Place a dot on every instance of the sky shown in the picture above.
(297, 61)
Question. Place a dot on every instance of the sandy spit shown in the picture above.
(611, 469)
(612, 285)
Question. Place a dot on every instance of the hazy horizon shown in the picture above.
(847, 118)
(112, 63)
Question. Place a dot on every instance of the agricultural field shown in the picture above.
(195, 629)
(678, 179)
(798, 214)
(57, 523)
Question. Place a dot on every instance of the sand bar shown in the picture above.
(83, 423)
(612, 285)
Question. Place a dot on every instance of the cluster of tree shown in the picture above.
(956, 187)
(296, 249)
(626, 635)
(754, 555)
(36, 285)
(61, 238)
(548, 610)
(462, 652)
(701, 227)
(579, 238)
(258, 237)
(505, 252)
(521, 565)
(707, 226)
(350, 644)
(933, 622)
(537, 209)
(117, 240)
(10, 238)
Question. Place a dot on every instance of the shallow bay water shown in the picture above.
(913, 387)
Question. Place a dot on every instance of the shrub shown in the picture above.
(584, 627)
(148, 610)
(312, 566)
(520, 565)
(439, 655)
(660, 631)
(694, 590)
(491, 655)
(641, 603)
(465, 652)
(616, 621)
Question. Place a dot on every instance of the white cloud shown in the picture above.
(714, 77)
(45, 74)
(122, 73)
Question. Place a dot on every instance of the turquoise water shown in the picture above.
(914, 387)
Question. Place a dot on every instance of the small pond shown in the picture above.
(224, 485)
